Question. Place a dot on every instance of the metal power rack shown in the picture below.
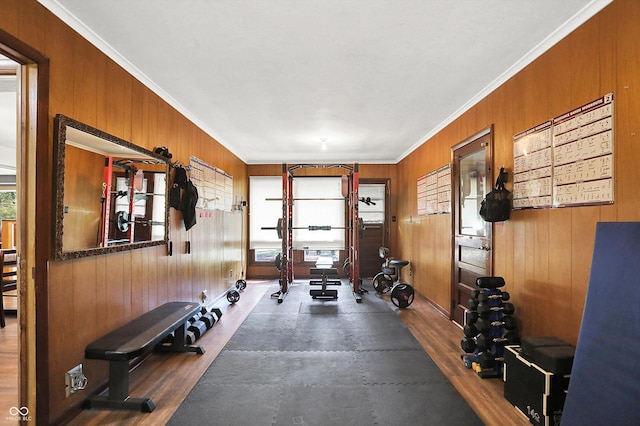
(350, 193)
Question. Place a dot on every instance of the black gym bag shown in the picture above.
(496, 206)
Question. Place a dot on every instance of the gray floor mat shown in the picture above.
(319, 362)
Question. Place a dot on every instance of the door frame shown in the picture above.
(387, 210)
(34, 153)
(487, 131)
(386, 230)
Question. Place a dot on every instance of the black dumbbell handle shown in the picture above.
(507, 308)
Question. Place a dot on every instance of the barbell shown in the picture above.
(123, 220)
(278, 227)
(308, 199)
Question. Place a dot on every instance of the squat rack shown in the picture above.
(350, 192)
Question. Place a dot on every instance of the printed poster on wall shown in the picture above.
(444, 189)
(434, 192)
(215, 187)
(422, 195)
(532, 166)
(567, 161)
(583, 154)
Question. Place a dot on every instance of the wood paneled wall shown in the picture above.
(91, 296)
(544, 255)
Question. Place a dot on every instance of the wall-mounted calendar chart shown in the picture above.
(567, 161)
(422, 195)
(215, 187)
(583, 154)
(444, 189)
(532, 166)
(434, 192)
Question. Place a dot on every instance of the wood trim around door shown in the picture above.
(470, 250)
(36, 153)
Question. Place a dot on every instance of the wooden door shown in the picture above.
(472, 254)
(372, 239)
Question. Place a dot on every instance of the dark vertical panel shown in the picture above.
(605, 386)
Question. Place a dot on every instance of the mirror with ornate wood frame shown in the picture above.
(111, 195)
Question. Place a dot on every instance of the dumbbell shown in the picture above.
(189, 337)
(233, 296)
(207, 317)
(483, 341)
(490, 282)
(484, 325)
(197, 327)
(485, 309)
(241, 284)
(468, 344)
(470, 330)
(472, 304)
(503, 295)
(217, 313)
(488, 360)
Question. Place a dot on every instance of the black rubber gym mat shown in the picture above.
(323, 362)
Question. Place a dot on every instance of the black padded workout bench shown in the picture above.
(325, 270)
(133, 340)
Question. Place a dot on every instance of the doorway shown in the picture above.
(472, 247)
(32, 79)
(373, 210)
(10, 332)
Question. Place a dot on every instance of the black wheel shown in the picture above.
(233, 296)
(382, 283)
(402, 295)
(241, 284)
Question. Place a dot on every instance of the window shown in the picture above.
(314, 255)
(264, 213)
(373, 210)
(7, 204)
(327, 208)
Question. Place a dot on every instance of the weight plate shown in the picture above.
(382, 283)
(233, 296)
(241, 284)
(122, 221)
(402, 295)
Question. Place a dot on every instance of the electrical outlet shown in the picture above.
(231, 273)
(74, 380)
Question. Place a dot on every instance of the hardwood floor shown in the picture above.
(441, 339)
(168, 379)
(9, 362)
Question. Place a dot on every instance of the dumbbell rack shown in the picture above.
(489, 327)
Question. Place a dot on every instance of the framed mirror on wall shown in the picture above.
(111, 195)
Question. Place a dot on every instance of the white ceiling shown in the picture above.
(272, 79)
